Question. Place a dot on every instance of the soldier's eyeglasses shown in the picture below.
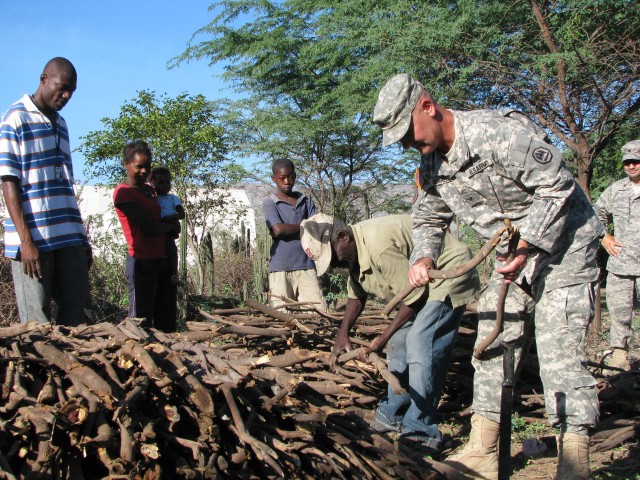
(627, 163)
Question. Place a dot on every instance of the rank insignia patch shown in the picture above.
(542, 155)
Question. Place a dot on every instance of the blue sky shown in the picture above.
(118, 48)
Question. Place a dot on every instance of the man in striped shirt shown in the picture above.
(44, 234)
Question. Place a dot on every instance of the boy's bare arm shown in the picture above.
(285, 230)
(179, 215)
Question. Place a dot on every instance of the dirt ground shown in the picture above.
(622, 462)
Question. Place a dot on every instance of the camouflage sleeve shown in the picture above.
(603, 208)
(538, 166)
(431, 218)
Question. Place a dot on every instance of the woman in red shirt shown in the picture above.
(151, 295)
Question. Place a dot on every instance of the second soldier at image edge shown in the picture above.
(619, 204)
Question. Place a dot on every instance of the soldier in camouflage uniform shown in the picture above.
(486, 166)
(620, 204)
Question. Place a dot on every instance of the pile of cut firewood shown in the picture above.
(245, 393)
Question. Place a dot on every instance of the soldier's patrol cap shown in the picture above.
(631, 150)
(396, 101)
(315, 237)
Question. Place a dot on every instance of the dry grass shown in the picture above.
(8, 309)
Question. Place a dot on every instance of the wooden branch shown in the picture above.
(618, 438)
(272, 312)
(23, 328)
(42, 420)
(83, 374)
(137, 352)
(262, 450)
(195, 392)
(5, 468)
(389, 377)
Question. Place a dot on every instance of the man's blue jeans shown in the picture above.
(419, 355)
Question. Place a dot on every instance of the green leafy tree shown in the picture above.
(186, 136)
(292, 111)
(574, 65)
(109, 288)
(313, 69)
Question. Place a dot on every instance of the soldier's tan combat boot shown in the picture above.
(479, 457)
(573, 457)
(618, 358)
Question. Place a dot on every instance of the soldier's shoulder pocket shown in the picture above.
(531, 152)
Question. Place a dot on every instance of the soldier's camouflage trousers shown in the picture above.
(561, 318)
(620, 297)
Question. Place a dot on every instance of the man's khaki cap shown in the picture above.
(315, 236)
(631, 150)
(395, 103)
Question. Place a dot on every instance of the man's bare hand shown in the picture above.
(511, 271)
(419, 272)
(342, 344)
(30, 258)
(612, 245)
(376, 345)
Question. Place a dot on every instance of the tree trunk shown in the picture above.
(365, 200)
(584, 169)
(182, 269)
(198, 262)
(209, 265)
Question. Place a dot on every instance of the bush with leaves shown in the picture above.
(334, 287)
(109, 286)
(186, 136)
(233, 266)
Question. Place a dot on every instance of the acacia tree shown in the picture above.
(185, 136)
(291, 111)
(573, 65)
(336, 164)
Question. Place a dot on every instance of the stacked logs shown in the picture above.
(242, 395)
(247, 393)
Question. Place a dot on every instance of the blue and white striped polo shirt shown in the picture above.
(41, 160)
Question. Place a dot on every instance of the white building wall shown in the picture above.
(96, 200)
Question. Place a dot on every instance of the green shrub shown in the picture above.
(109, 286)
(335, 287)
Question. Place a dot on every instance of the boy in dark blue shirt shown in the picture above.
(292, 273)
